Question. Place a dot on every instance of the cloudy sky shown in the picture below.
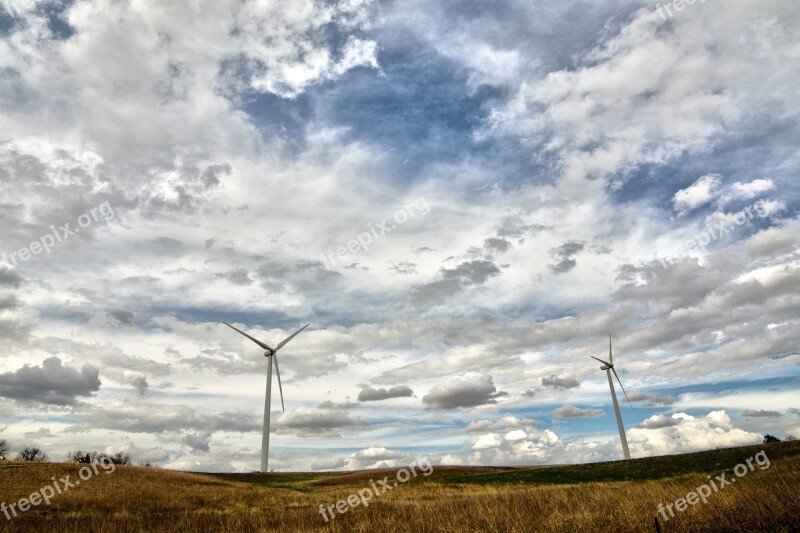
(462, 198)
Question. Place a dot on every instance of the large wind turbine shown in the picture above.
(270, 354)
(608, 366)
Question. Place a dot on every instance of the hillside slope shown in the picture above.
(620, 496)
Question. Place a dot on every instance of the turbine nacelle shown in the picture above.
(606, 365)
(270, 351)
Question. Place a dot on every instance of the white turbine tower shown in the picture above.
(608, 366)
(270, 354)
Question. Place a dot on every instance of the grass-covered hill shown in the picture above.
(616, 496)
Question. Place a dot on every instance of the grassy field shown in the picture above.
(618, 496)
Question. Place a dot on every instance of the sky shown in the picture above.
(463, 199)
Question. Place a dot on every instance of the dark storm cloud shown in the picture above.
(514, 227)
(560, 383)
(751, 413)
(8, 301)
(139, 383)
(454, 280)
(570, 411)
(124, 317)
(497, 245)
(198, 442)
(9, 278)
(470, 390)
(305, 422)
(564, 256)
(51, 383)
(369, 394)
(239, 276)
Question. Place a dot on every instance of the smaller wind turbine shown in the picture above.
(608, 366)
(270, 354)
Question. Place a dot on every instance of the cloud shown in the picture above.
(454, 280)
(503, 424)
(560, 383)
(198, 442)
(653, 400)
(8, 277)
(146, 417)
(753, 188)
(698, 194)
(772, 242)
(564, 255)
(51, 383)
(487, 441)
(689, 434)
(751, 413)
(330, 463)
(570, 411)
(658, 422)
(123, 317)
(377, 457)
(404, 267)
(306, 422)
(40, 433)
(497, 245)
(657, 435)
(327, 404)
(470, 390)
(139, 454)
(369, 394)
(139, 383)
(238, 276)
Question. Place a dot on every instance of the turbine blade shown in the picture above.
(265, 346)
(623, 388)
(610, 355)
(280, 387)
(290, 337)
(596, 359)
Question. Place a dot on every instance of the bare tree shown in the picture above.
(32, 454)
(121, 458)
(5, 449)
(83, 457)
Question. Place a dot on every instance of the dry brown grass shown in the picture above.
(143, 499)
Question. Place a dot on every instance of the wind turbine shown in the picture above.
(608, 366)
(270, 354)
